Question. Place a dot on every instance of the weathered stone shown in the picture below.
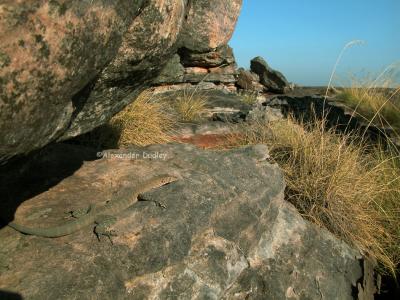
(249, 81)
(260, 112)
(225, 74)
(196, 70)
(209, 24)
(222, 231)
(272, 80)
(201, 86)
(228, 70)
(67, 67)
(215, 58)
(53, 50)
(210, 77)
(172, 73)
(222, 106)
(230, 87)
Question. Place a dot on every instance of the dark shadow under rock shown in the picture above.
(25, 177)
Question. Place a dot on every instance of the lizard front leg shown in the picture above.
(104, 227)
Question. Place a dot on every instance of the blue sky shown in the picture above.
(303, 38)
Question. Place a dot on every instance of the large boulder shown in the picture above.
(67, 67)
(209, 24)
(272, 80)
(248, 81)
(222, 231)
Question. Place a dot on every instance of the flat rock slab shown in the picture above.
(222, 231)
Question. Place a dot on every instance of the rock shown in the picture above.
(217, 57)
(209, 24)
(248, 81)
(226, 107)
(367, 288)
(222, 74)
(196, 70)
(271, 79)
(209, 77)
(69, 66)
(205, 135)
(223, 231)
(172, 73)
(230, 87)
(265, 113)
(59, 48)
(188, 130)
(170, 88)
(201, 86)
(228, 70)
(217, 66)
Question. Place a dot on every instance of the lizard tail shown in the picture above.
(53, 231)
(33, 231)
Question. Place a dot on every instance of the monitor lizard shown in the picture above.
(111, 208)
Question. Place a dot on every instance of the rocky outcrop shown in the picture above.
(66, 67)
(217, 66)
(222, 231)
(272, 80)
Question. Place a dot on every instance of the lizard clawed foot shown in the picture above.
(103, 227)
(146, 197)
(107, 233)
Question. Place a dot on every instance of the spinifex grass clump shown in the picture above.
(249, 97)
(145, 121)
(337, 183)
(189, 104)
(375, 101)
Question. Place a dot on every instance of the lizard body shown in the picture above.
(111, 208)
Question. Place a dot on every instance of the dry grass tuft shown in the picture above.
(143, 122)
(337, 183)
(146, 121)
(249, 97)
(374, 103)
(189, 105)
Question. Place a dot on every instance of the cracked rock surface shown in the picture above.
(222, 231)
